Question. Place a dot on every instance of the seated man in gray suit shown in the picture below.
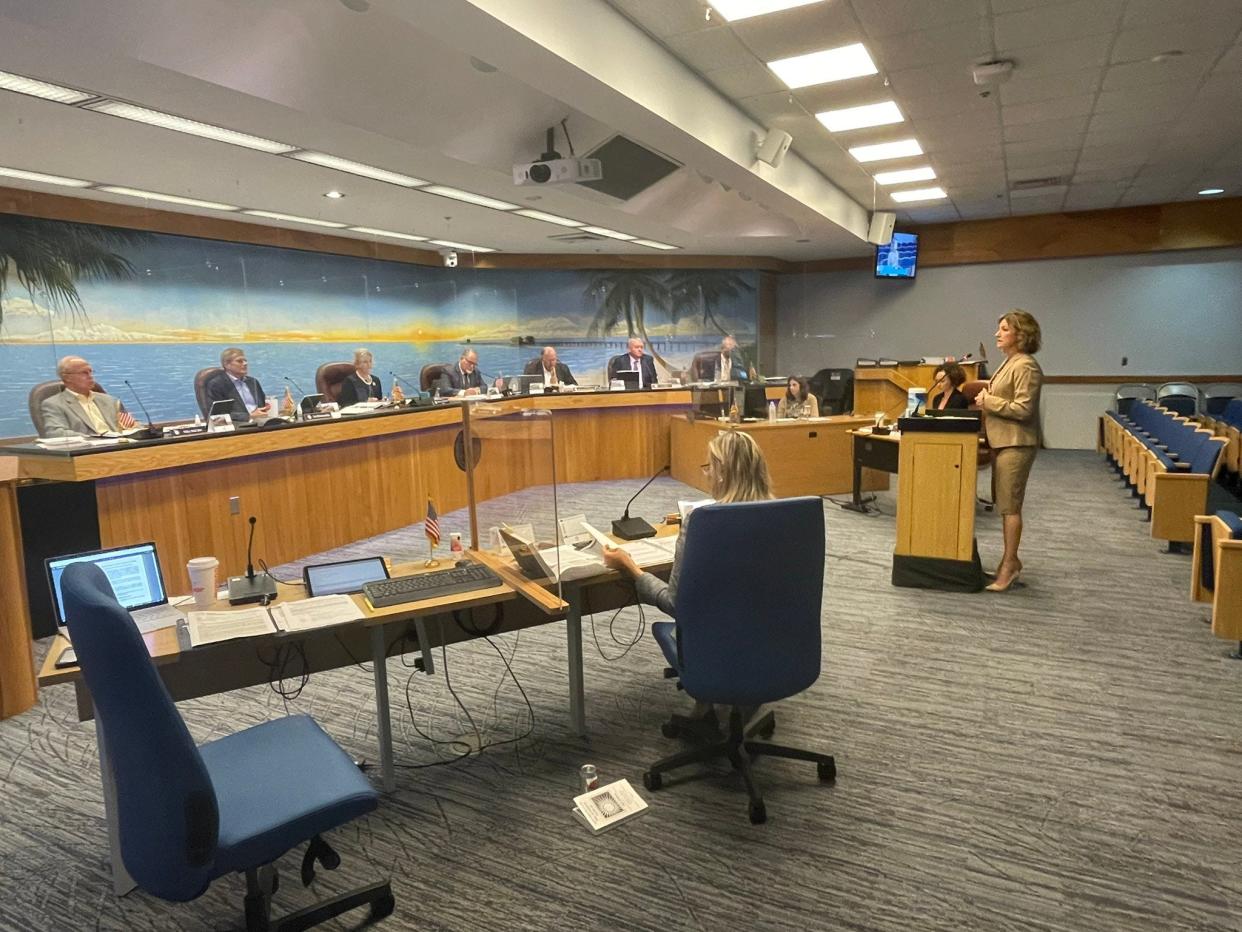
(237, 385)
(463, 378)
(552, 371)
(77, 410)
(729, 366)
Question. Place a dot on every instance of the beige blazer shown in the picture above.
(63, 415)
(1011, 412)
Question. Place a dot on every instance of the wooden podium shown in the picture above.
(936, 505)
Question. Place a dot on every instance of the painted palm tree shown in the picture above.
(49, 257)
(625, 296)
(700, 291)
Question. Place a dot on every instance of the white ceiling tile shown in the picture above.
(1023, 132)
(1041, 204)
(1059, 57)
(838, 94)
(984, 211)
(1138, 118)
(959, 99)
(1056, 23)
(1152, 12)
(1176, 94)
(1215, 29)
(1013, 6)
(1017, 151)
(1120, 175)
(960, 42)
(1026, 90)
(1126, 141)
(918, 82)
(710, 49)
(800, 30)
(1223, 86)
(942, 213)
(1230, 62)
(946, 160)
(889, 17)
(1189, 67)
(1088, 165)
(663, 19)
(1047, 110)
(748, 80)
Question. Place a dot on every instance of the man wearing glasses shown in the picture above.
(237, 385)
(463, 378)
(78, 410)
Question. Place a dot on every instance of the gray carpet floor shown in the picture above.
(1065, 756)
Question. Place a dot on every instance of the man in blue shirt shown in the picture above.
(237, 385)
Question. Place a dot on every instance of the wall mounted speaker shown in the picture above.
(774, 146)
(881, 231)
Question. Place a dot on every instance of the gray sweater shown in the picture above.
(657, 592)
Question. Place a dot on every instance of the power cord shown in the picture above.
(627, 645)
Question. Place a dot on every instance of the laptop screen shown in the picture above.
(134, 573)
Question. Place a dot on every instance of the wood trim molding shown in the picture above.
(1152, 379)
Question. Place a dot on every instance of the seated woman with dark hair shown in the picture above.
(949, 379)
(798, 401)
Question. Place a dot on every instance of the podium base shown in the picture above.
(913, 572)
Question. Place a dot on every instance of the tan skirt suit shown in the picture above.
(1011, 424)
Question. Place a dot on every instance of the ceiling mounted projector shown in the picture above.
(551, 168)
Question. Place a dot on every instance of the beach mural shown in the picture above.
(154, 309)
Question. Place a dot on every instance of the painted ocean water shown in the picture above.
(163, 373)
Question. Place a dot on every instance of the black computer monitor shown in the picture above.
(630, 378)
(755, 401)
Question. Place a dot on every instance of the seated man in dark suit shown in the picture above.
(77, 410)
(463, 378)
(235, 384)
(553, 372)
(729, 366)
(634, 360)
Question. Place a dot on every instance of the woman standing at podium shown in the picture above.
(1010, 404)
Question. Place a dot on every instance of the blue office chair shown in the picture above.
(747, 629)
(187, 814)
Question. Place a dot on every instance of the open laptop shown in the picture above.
(134, 573)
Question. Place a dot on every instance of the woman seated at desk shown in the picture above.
(945, 392)
(798, 401)
(360, 385)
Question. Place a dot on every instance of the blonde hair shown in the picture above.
(1026, 327)
(361, 354)
(738, 470)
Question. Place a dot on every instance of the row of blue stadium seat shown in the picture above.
(1216, 573)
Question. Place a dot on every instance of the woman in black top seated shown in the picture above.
(360, 385)
(948, 378)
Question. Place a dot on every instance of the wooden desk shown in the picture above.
(805, 457)
(872, 452)
(887, 388)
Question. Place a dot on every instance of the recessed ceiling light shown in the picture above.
(393, 234)
(170, 198)
(356, 168)
(919, 194)
(272, 215)
(1207, 191)
(926, 173)
(335, 195)
(653, 244)
(35, 88)
(744, 9)
(611, 234)
(1166, 55)
(194, 128)
(887, 150)
(449, 244)
(468, 197)
(848, 61)
(42, 178)
(881, 114)
(550, 218)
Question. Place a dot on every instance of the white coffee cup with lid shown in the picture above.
(202, 572)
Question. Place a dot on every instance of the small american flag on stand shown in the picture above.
(125, 420)
(431, 524)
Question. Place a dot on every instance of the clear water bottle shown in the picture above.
(588, 779)
(771, 410)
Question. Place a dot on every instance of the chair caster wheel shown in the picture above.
(758, 814)
(827, 772)
(652, 781)
(382, 907)
(670, 730)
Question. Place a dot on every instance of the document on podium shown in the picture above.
(213, 627)
(320, 612)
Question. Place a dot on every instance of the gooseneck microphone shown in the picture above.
(252, 587)
(295, 385)
(405, 382)
(145, 413)
(628, 528)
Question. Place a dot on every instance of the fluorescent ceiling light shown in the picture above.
(919, 194)
(887, 150)
(1207, 191)
(848, 61)
(272, 215)
(451, 245)
(653, 244)
(181, 125)
(611, 234)
(42, 178)
(477, 199)
(926, 173)
(550, 218)
(744, 9)
(170, 198)
(36, 88)
(881, 114)
(375, 232)
(357, 168)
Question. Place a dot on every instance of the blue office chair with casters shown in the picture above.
(747, 630)
(187, 815)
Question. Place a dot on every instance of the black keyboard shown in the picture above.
(385, 592)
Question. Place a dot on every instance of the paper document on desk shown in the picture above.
(156, 617)
(365, 407)
(685, 507)
(320, 612)
(646, 552)
(211, 627)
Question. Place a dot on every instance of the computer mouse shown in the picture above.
(463, 563)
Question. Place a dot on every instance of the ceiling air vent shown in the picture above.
(1031, 187)
(629, 168)
(576, 237)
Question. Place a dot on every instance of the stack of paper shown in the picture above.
(319, 612)
(608, 806)
(212, 627)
